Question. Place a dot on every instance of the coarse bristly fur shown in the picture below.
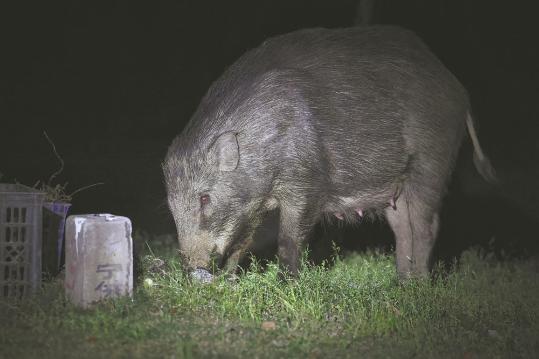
(314, 123)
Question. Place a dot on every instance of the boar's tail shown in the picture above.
(481, 161)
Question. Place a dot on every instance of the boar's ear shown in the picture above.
(226, 150)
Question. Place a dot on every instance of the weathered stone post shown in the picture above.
(99, 258)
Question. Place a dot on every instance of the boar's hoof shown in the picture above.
(339, 215)
(202, 275)
(359, 212)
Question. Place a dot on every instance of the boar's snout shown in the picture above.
(199, 257)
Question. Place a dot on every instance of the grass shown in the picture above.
(354, 308)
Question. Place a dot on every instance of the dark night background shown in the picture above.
(113, 83)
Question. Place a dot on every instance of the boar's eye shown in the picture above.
(204, 200)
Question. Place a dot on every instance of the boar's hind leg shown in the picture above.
(415, 226)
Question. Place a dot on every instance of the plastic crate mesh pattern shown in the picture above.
(20, 239)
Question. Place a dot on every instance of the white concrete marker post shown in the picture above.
(99, 258)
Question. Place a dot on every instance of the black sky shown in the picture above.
(113, 82)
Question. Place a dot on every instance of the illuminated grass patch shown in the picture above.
(481, 308)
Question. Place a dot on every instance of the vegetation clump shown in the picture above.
(58, 192)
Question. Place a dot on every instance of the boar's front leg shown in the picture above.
(294, 227)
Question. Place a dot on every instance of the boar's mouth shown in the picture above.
(218, 262)
(226, 259)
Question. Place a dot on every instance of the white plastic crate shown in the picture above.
(20, 239)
